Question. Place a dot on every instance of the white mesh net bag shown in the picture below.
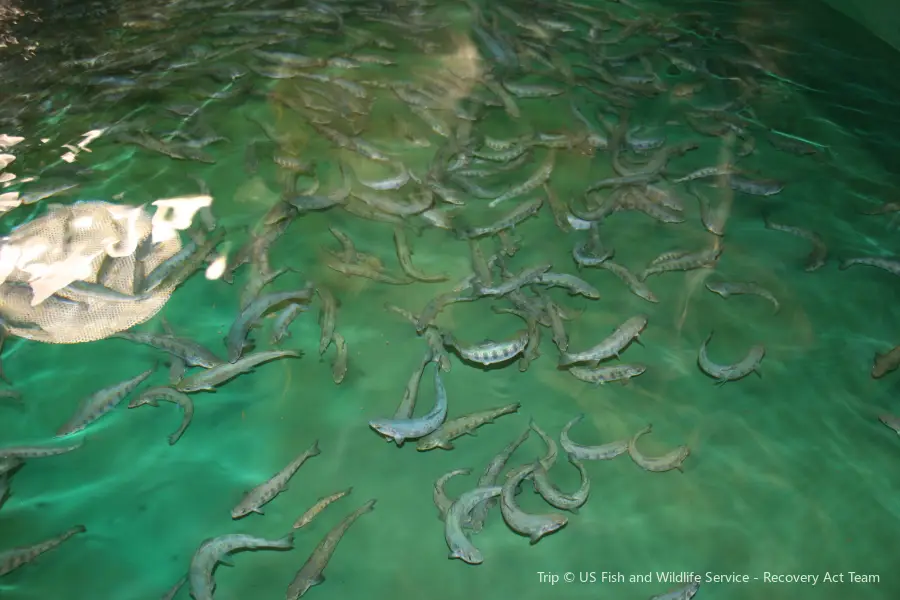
(52, 270)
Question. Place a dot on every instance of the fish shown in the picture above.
(610, 347)
(466, 424)
(536, 180)
(733, 372)
(283, 320)
(460, 546)
(508, 221)
(327, 317)
(552, 449)
(575, 285)
(608, 374)
(15, 558)
(602, 452)
(512, 284)
(726, 289)
(237, 335)
(441, 501)
(311, 573)
(886, 363)
(411, 392)
(490, 352)
(213, 551)
(24, 452)
(819, 253)
(489, 478)
(890, 265)
(320, 505)
(401, 430)
(683, 593)
(192, 353)
(684, 262)
(342, 356)
(101, 402)
(891, 421)
(151, 395)
(211, 378)
(255, 499)
(666, 462)
(533, 526)
(554, 496)
(367, 272)
(404, 256)
(635, 285)
(175, 270)
(4, 488)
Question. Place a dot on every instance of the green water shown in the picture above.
(790, 473)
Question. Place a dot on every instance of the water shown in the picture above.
(789, 473)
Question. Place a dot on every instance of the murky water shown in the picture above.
(789, 473)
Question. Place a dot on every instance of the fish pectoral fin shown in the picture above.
(535, 537)
(758, 374)
(472, 432)
(258, 511)
(226, 560)
(446, 445)
(574, 510)
(317, 580)
(637, 340)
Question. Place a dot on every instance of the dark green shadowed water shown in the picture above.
(790, 473)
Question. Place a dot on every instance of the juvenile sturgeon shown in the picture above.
(489, 478)
(610, 347)
(211, 378)
(886, 363)
(725, 373)
(327, 317)
(552, 449)
(666, 462)
(216, 550)
(101, 402)
(237, 335)
(726, 289)
(341, 358)
(320, 505)
(14, 558)
(891, 265)
(819, 253)
(311, 573)
(574, 285)
(401, 430)
(601, 452)
(684, 262)
(557, 498)
(530, 525)
(441, 501)
(635, 285)
(460, 546)
(404, 256)
(607, 374)
(264, 493)
(151, 395)
(16, 453)
(466, 424)
(683, 593)
(490, 352)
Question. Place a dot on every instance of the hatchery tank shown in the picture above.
(566, 299)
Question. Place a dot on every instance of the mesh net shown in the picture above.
(94, 242)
